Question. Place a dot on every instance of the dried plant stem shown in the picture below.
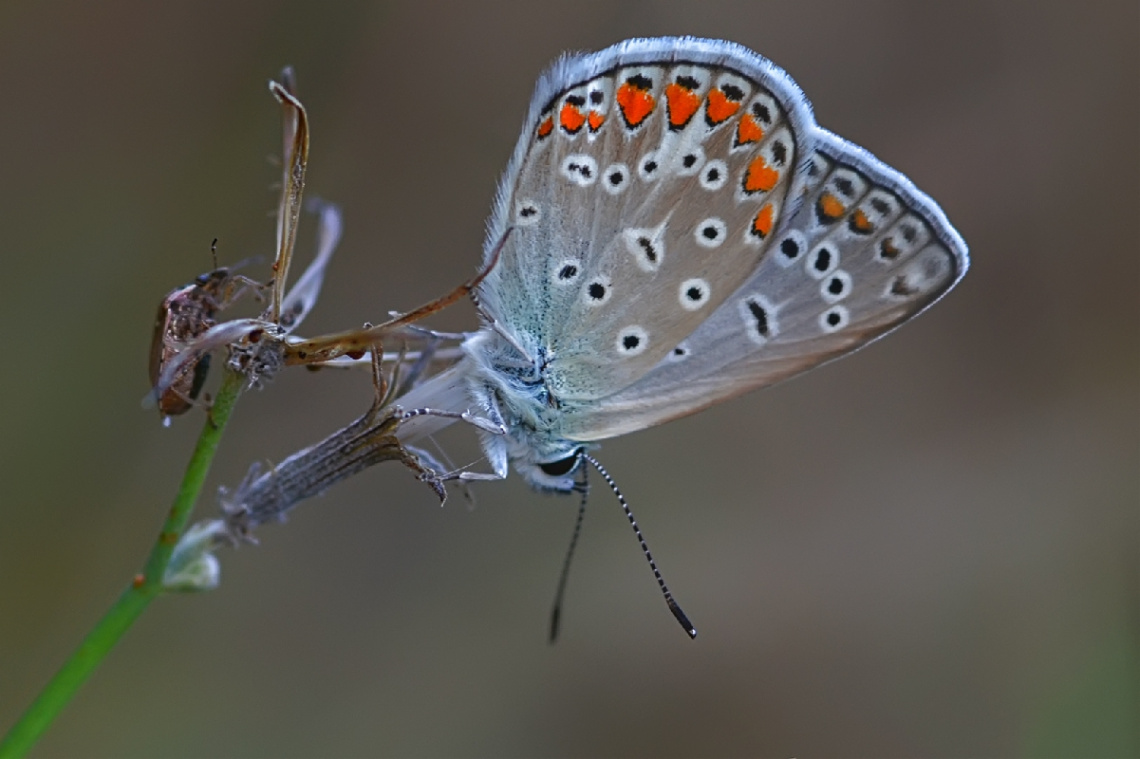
(145, 587)
(371, 439)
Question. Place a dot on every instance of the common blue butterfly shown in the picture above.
(673, 230)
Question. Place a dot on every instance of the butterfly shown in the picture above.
(673, 230)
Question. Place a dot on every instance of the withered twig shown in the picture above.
(371, 439)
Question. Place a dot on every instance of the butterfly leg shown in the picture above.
(462, 476)
(486, 425)
(450, 474)
(468, 494)
(494, 447)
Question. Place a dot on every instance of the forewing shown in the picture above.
(866, 252)
(649, 181)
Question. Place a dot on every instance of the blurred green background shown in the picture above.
(927, 549)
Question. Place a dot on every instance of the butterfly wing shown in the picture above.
(865, 252)
(649, 181)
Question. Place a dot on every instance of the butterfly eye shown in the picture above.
(560, 467)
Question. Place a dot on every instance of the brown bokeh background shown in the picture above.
(927, 549)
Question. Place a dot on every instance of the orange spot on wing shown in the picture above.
(762, 224)
(596, 120)
(830, 207)
(546, 127)
(748, 130)
(860, 222)
(570, 118)
(635, 102)
(720, 107)
(760, 177)
(683, 103)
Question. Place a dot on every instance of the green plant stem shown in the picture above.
(144, 588)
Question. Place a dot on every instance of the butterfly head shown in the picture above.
(547, 461)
